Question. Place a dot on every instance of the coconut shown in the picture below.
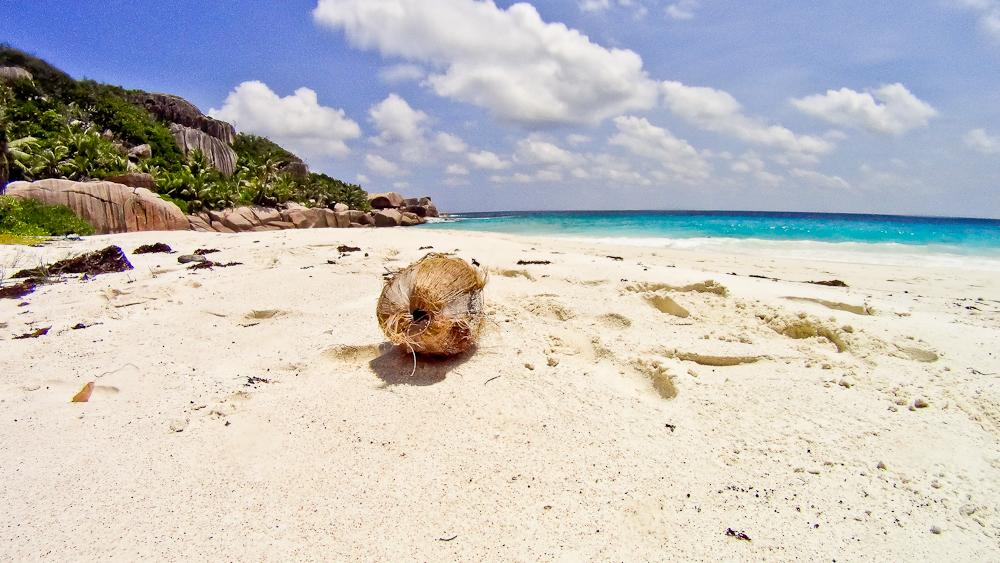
(433, 307)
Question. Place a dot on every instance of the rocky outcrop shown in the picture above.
(134, 180)
(175, 109)
(220, 155)
(297, 169)
(13, 74)
(387, 218)
(385, 201)
(109, 207)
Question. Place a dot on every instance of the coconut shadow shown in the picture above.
(395, 365)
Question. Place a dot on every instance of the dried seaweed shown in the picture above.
(204, 251)
(36, 334)
(19, 290)
(108, 260)
(152, 249)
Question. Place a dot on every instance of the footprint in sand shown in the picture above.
(614, 320)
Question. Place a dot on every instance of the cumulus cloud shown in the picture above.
(486, 159)
(396, 121)
(752, 165)
(899, 112)
(576, 139)
(508, 61)
(536, 151)
(456, 170)
(816, 179)
(718, 111)
(978, 139)
(450, 143)
(382, 166)
(644, 139)
(297, 121)
(683, 10)
(402, 73)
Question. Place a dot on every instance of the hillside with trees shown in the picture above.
(53, 126)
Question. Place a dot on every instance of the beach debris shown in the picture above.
(533, 262)
(738, 535)
(18, 290)
(209, 265)
(671, 427)
(107, 260)
(344, 249)
(831, 283)
(188, 258)
(152, 248)
(920, 403)
(447, 539)
(84, 395)
(35, 334)
(615, 258)
(434, 306)
(530, 366)
(204, 251)
(254, 380)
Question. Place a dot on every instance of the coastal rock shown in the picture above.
(430, 210)
(141, 152)
(281, 225)
(199, 224)
(218, 153)
(410, 202)
(297, 169)
(300, 219)
(343, 219)
(387, 218)
(361, 218)
(387, 200)
(175, 109)
(134, 180)
(417, 210)
(13, 74)
(109, 207)
(410, 220)
(341, 207)
(266, 215)
(240, 220)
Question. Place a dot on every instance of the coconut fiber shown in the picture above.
(433, 307)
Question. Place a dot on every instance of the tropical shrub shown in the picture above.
(33, 218)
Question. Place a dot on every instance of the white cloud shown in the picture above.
(989, 14)
(298, 121)
(752, 165)
(396, 121)
(899, 112)
(382, 166)
(615, 170)
(647, 140)
(362, 179)
(683, 10)
(456, 170)
(486, 159)
(536, 151)
(509, 61)
(594, 5)
(402, 73)
(715, 110)
(575, 139)
(978, 139)
(450, 143)
(819, 180)
(400, 185)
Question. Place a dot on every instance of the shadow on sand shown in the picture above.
(395, 364)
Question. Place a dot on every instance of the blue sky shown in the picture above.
(843, 106)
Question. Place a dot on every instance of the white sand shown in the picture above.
(587, 457)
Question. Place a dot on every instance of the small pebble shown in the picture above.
(191, 258)
(935, 530)
(881, 465)
(827, 366)
(846, 382)
(921, 403)
(553, 362)
(530, 366)
(814, 471)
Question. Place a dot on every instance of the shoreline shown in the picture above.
(638, 433)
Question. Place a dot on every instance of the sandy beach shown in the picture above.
(623, 404)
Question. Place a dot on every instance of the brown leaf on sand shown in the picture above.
(36, 334)
(84, 395)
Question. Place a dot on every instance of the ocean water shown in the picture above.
(865, 239)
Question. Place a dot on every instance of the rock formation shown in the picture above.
(13, 74)
(175, 109)
(109, 207)
(220, 155)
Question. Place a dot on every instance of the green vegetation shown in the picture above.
(31, 218)
(56, 127)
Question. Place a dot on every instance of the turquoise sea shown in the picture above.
(866, 239)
